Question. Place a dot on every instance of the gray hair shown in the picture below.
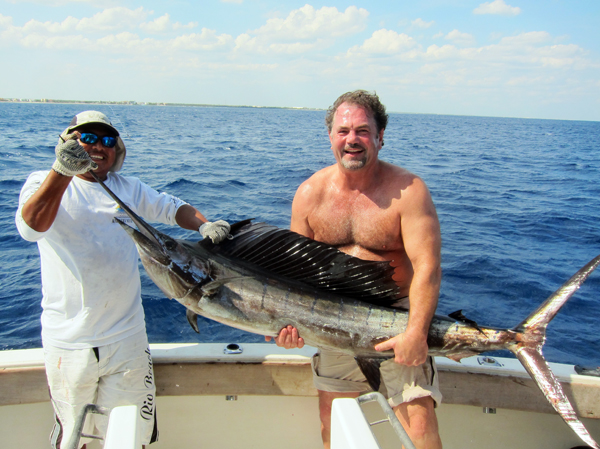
(369, 101)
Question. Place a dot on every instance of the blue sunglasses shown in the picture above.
(91, 138)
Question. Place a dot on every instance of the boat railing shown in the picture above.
(122, 431)
(351, 429)
(73, 442)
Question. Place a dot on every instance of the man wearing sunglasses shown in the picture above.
(93, 329)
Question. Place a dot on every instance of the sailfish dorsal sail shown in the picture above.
(293, 256)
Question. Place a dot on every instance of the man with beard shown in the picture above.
(374, 210)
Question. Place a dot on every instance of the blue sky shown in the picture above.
(511, 58)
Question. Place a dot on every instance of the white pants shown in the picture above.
(116, 374)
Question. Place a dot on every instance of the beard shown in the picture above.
(354, 164)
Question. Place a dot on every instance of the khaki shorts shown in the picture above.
(116, 374)
(339, 373)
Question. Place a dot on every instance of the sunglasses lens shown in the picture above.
(89, 138)
(109, 142)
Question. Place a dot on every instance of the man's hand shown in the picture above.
(288, 338)
(71, 157)
(216, 231)
(409, 348)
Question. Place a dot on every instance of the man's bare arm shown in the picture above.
(300, 210)
(188, 217)
(40, 210)
(422, 242)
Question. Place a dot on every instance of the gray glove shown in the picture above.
(216, 231)
(72, 159)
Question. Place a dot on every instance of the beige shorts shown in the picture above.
(116, 374)
(339, 373)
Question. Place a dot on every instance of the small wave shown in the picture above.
(237, 183)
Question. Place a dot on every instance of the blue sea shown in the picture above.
(518, 201)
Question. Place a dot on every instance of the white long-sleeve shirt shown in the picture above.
(91, 292)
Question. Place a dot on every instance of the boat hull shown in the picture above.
(276, 403)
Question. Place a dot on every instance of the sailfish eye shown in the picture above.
(170, 245)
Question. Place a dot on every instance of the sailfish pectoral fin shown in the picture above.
(210, 288)
(192, 318)
(537, 367)
(370, 369)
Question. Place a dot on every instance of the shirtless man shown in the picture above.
(374, 210)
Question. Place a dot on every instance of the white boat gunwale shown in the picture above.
(205, 369)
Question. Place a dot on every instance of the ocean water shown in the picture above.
(518, 201)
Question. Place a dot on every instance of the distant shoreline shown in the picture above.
(137, 103)
(203, 105)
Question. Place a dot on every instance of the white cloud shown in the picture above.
(443, 52)
(163, 24)
(420, 23)
(68, 25)
(528, 51)
(114, 19)
(530, 38)
(73, 42)
(246, 43)
(207, 40)
(82, 34)
(302, 30)
(122, 42)
(109, 20)
(384, 42)
(497, 7)
(309, 23)
(5, 21)
(295, 48)
(460, 38)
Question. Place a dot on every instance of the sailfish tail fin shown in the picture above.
(537, 367)
(529, 350)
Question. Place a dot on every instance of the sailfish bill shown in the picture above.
(265, 278)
